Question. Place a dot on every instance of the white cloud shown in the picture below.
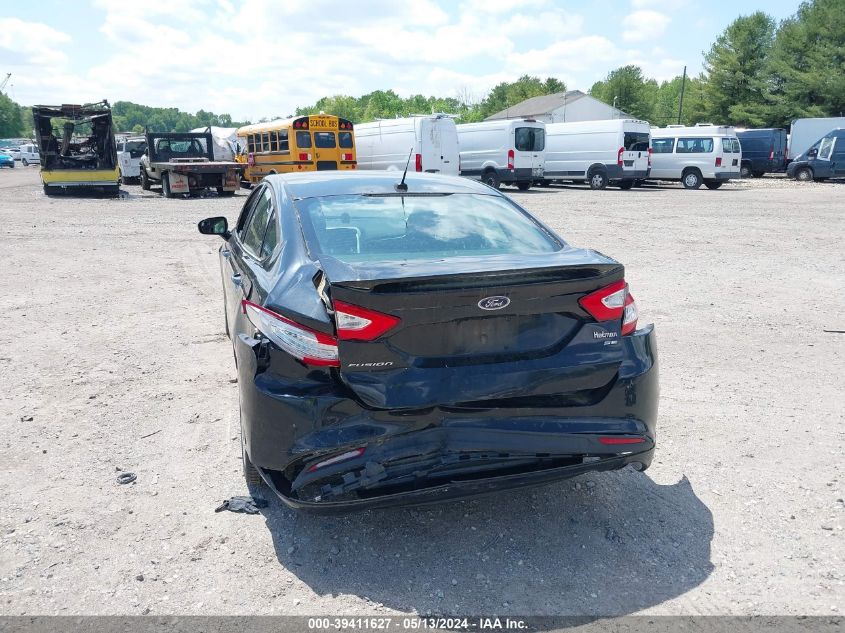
(641, 26)
(32, 43)
(666, 5)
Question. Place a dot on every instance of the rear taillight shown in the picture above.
(771, 154)
(649, 157)
(346, 156)
(718, 161)
(629, 316)
(510, 158)
(619, 156)
(301, 342)
(418, 162)
(304, 156)
(610, 440)
(611, 303)
(355, 323)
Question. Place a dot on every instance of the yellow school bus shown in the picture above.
(305, 143)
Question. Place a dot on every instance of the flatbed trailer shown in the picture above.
(184, 163)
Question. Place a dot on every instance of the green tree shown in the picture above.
(507, 94)
(735, 71)
(806, 67)
(628, 90)
(11, 122)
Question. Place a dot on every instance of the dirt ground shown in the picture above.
(113, 358)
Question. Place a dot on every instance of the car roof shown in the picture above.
(336, 183)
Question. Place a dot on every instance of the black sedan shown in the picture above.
(410, 342)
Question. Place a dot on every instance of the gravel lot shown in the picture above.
(113, 357)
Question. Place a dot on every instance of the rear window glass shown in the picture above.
(257, 224)
(636, 141)
(344, 139)
(529, 139)
(303, 139)
(696, 145)
(359, 228)
(324, 140)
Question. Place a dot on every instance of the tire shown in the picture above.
(804, 174)
(25, 162)
(251, 474)
(49, 191)
(491, 179)
(626, 184)
(165, 185)
(112, 190)
(745, 171)
(223, 193)
(691, 179)
(598, 179)
(145, 180)
(757, 174)
(523, 186)
(545, 183)
(713, 184)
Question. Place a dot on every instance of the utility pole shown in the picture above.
(681, 104)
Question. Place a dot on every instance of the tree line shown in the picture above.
(756, 74)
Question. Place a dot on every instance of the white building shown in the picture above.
(561, 107)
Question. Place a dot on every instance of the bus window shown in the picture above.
(266, 141)
(303, 139)
(250, 143)
(344, 139)
(283, 141)
(274, 141)
(324, 140)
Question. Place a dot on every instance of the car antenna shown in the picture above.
(401, 186)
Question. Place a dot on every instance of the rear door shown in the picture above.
(635, 155)
(530, 145)
(439, 146)
(838, 157)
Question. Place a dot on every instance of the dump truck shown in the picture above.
(183, 162)
(77, 148)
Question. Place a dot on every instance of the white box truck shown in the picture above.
(805, 132)
(431, 141)
(509, 151)
(611, 151)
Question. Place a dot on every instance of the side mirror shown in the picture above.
(813, 153)
(215, 226)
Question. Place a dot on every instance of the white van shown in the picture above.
(702, 154)
(432, 142)
(612, 151)
(129, 152)
(510, 151)
(30, 155)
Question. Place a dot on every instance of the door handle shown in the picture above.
(236, 279)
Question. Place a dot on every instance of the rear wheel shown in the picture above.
(523, 186)
(691, 179)
(598, 179)
(804, 174)
(165, 185)
(626, 184)
(223, 193)
(145, 180)
(713, 184)
(50, 191)
(745, 171)
(491, 178)
(757, 174)
(251, 474)
(25, 162)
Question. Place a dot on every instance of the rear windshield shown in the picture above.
(303, 139)
(636, 141)
(696, 145)
(357, 228)
(344, 139)
(324, 140)
(529, 139)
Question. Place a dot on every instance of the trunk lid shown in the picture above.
(469, 337)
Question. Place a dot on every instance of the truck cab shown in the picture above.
(824, 159)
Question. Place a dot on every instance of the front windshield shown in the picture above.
(360, 228)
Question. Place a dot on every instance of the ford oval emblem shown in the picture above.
(494, 303)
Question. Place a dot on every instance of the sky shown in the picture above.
(263, 58)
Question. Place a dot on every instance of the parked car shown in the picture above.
(824, 159)
(805, 132)
(702, 154)
(430, 141)
(509, 151)
(413, 341)
(29, 155)
(763, 151)
(129, 153)
(613, 151)
(13, 150)
(6, 160)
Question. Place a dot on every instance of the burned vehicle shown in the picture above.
(405, 343)
(183, 163)
(77, 148)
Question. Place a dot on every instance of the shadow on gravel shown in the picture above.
(609, 544)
